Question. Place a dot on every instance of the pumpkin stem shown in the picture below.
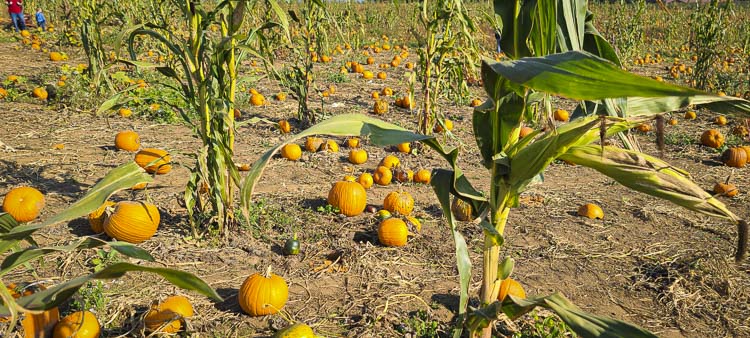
(268, 272)
(729, 177)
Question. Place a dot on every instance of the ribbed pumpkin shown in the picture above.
(382, 176)
(357, 156)
(423, 176)
(161, 160)
(352, 142)
(132, 222)
(734, 157)
(348, 196)
(331, 146)
(380, 107)
(96, 218)
(400, 202)
(510, 287)
(81, 324)
(291, 151)
(712, 138)
(365, 180)
(726, 189)
(127, 140)
(23, 203)
(393, 232)
(169, 315)
(390, 162)
(37, 325)
(262, 295)
(461, 209)
(299, 330)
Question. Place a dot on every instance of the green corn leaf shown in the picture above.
(505, 268)
(7, 222)
(441, 182)
(56, 295)
(583, 76)
(380, 133)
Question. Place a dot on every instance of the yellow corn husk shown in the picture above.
(649, 175)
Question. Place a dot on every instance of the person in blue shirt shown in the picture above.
(41, 21)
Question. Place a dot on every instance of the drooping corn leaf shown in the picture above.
(29, 254)
(56, 295)
(122, 177)
(583, 76)
(657, 178)
(379, 132)
(7, 222)
(441, 182)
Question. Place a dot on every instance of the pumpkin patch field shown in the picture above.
(375, 169)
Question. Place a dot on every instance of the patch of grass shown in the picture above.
(338, 78)
(328, 210)
(90, 297)
(678, 139)
(419, 324)
(264, 216)
(544, 327)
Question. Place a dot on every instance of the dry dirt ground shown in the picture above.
(648, 262)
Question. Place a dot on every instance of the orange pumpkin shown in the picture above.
(510, 287)
(591, 210)
(96, 218)
(127, 140)
(400, 202)
(285, 127)
(291, 151)
(262, 295)
(525, 131)
(39, 93)
(404, 176)
(81, 324)
(38, 325)
(357, 156)
(712, 138)
(312, 144)
(393, 232)
(154, 160)
(734, 157)
(390, 162)
(23, 203)
(404, 147)
(561, 115)
(169, 315)
(352, 142)
(423, 176)
(348, 196)
(382, 175)
(365, 180)
(132, 222)
(380, 107)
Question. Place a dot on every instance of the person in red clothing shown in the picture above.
(15, 8)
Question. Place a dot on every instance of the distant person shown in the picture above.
(41, 21)
(15, 8)
(497, 39)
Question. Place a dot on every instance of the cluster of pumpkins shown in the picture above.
(735, 157)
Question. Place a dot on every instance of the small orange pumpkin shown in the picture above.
(393, 232)
(312, 144)
(390, 162)
(591, 210)
(561, 115)
(422, 176)
(380, 107)
(382, 175)
(348, 196)
(365, 180)
(169, 315)
(726, 189)
(162, 162)
(81, 324)
(23, 203)
(510, 287)
(96, 218)
(285, 127)
(712, 138)
(132, 222)
(357, 156)
(291, 151)
(352, 142)
(127, 140)
(400, 202)
(404, 147)
(262, 295)
(39, 93)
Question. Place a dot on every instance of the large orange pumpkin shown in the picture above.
(400, 202)
(348, 196)
(81, 324)
(393, 232)
(734, 157)
(23, 203)
(169, 315)
(127, 140)
(262, 295)
(161, 160)
(132, 222)
(96, 218)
